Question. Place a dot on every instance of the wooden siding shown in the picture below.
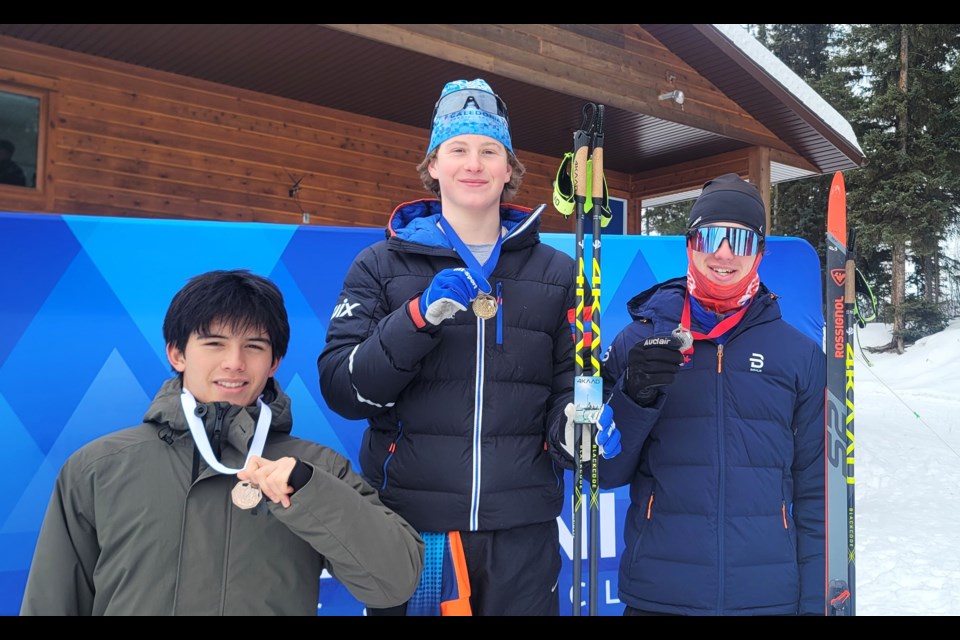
(620, 65)
(129, 141)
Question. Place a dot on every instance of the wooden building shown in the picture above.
(324, 124)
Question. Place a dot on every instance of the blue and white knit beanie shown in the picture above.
(470, 118)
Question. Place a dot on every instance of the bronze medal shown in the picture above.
(246, 495)
(485, 306)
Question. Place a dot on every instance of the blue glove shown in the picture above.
(451, 291)
(608, 437)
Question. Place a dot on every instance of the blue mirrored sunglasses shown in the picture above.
(743, 242)
(471, 99)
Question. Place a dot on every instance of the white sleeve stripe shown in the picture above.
(360, 398)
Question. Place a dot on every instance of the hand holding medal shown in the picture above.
(269, 478)
(452, 290)
(484, 305)
(256, 471)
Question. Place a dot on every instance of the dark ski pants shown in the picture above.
(513, 572)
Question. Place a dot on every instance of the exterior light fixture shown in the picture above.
(676, 95)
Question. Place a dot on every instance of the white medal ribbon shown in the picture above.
(203, 443)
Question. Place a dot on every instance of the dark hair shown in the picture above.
(239, 298)
(6, 144)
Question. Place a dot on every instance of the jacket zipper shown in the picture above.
(200, 412)
(474, 517)
(721, 543)
(218, 431)
(390, 451)
(499, 313)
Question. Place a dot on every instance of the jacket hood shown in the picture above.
(417, 222)
(166, 412)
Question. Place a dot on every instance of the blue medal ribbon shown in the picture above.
(467, 256)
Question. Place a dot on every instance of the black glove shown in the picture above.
(651, 364)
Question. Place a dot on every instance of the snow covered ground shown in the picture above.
(907, 471)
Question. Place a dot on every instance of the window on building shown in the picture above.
(618, 224)
(20, 152)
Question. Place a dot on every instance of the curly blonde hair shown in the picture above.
(509, 190)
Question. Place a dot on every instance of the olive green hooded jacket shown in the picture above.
(139, 524)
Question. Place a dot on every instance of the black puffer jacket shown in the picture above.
(457, 413)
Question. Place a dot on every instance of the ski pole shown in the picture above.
(581, 141)
(597, 195)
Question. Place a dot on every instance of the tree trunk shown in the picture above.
(935, 277)
(898, 291)
(929, 278)
(898, 284)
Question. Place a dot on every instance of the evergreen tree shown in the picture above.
(799, 208)
(899, 87)
(668, 219)
(904, 199)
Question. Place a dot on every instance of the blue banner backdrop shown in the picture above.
(82, 301)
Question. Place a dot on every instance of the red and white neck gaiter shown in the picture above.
(721, 298)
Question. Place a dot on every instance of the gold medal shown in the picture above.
(246, 495)
(485, 306)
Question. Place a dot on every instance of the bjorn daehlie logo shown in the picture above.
(756, 362)
(344, 309)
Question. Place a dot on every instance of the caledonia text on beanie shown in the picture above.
(469, 107)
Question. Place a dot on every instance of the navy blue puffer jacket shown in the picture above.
(456, 413)
(726, 469)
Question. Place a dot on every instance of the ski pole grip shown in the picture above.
(850, 266)
(597, 175)
(596, 191)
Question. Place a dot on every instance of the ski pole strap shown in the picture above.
(867, 294)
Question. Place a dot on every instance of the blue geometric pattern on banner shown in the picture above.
(82, 301)
(20, 457)
(318, 260)
(165, 257)
(115, 386)
(33, 254)
(58, 355)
